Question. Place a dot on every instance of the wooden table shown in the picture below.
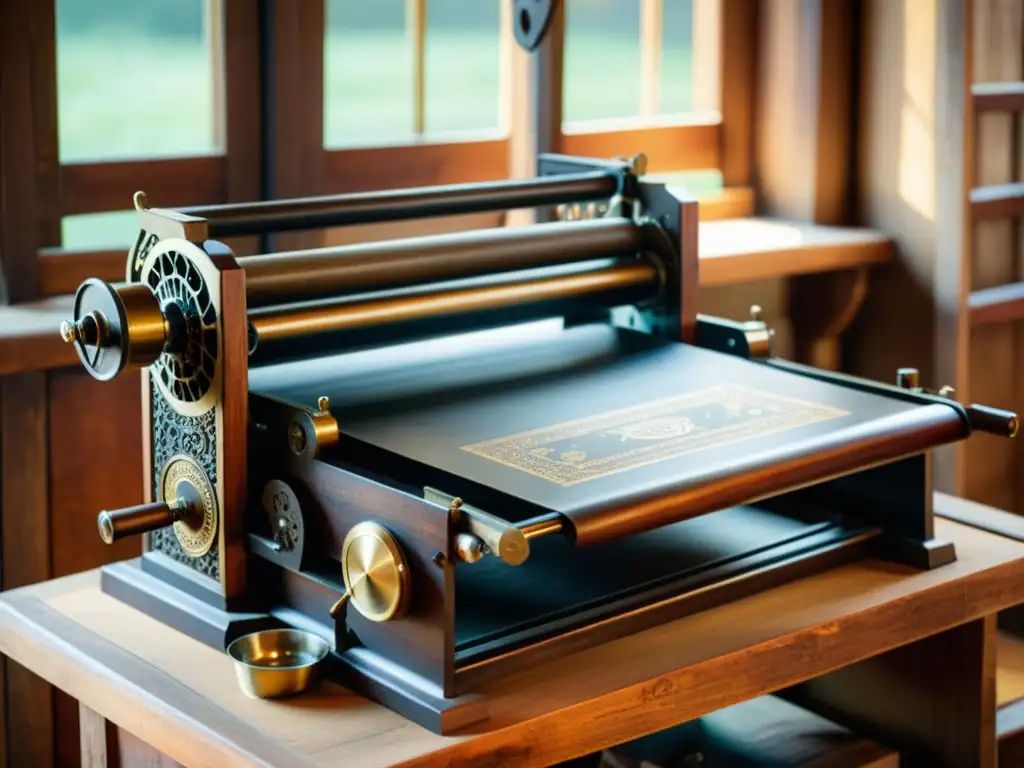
(904, 657)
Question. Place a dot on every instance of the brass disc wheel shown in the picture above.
(184, 480)
(376, 573)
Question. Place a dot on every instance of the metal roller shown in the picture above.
(625, 282)
(233, 220)
(352, 269)
(128, 326)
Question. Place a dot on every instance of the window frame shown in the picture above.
(271, 136)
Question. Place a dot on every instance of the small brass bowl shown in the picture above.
(278, 662)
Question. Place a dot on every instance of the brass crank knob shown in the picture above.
(144, 518)
(189, 505)
(377, 578)
(114, 327)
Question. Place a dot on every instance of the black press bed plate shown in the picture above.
(584, 420)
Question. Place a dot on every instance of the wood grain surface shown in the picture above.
(181, 698)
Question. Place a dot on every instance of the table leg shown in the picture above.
(933, 700)
(98, 739)
(104, 745)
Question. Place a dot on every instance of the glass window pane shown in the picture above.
(369, 70)
(368, 73)
(677, 57)
(115, 229)
(700, 184)
(134, 79)
(463, 56)
(602, 59)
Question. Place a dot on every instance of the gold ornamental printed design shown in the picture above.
(183, 478)
(597, 446)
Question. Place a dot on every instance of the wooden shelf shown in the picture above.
(1001, 304)
(744, 250)
(61, 271)
(998, 97)
(997, 201)
(30, 336)
(729, 203)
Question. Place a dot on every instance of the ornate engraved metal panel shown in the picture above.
(195, 436)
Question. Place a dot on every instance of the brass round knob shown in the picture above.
(115, 327)
(376, 574)
(908, 378)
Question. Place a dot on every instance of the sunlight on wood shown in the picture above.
(743, 250)
(917, 118)
(652, 13)
(1009, 670)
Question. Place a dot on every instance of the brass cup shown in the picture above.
(278, 662)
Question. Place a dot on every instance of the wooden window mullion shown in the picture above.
(416, 29)
(652, 19)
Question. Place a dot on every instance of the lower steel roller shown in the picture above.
(624, 282)
(351, 269)
(125, 326)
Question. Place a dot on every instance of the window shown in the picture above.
(134, 80)
(630, 71)
(365, 96)
(395, 71)
(602, 60)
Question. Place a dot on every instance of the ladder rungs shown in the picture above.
(998, 201)
(1002, 304)
(998, 97)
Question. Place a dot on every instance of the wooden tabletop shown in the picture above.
(181, 697)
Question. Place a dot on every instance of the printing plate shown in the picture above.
(594, 422)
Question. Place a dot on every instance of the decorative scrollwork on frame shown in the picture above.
(195, 436)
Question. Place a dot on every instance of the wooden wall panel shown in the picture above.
(29, 219)
(912, 174)
(805, 140)
(25, 553)
(737, 62)
(293, 139)
(998, 25)
(95, 464)
(804, 103)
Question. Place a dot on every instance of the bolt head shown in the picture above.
(68, 332)
(297, 438)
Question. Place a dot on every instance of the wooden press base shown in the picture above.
(384, 680)
(359, 669)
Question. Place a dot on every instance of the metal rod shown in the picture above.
(619, 284)
(345, 270)
(544, 525)
(235, 219)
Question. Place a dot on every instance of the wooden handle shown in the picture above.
(131, 521)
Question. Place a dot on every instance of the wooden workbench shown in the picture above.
(904, 657)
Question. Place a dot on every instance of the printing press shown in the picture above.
(454, 457)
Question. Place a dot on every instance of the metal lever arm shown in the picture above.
(141, 519)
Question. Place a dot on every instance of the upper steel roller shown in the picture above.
(130, 325)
